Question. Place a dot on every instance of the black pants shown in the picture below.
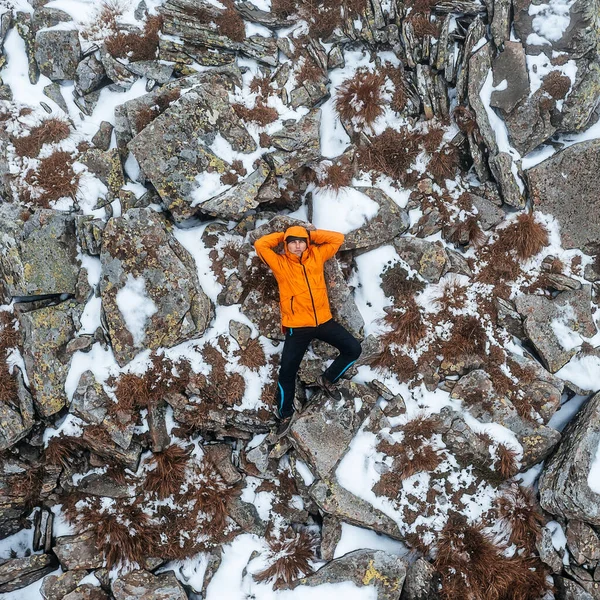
(294, 348)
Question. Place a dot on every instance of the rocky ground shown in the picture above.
(146, 146)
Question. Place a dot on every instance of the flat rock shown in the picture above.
(78, 552)
(142, 585)
(87, 591)
(507, 175)
(173, 149)
(565, 185)
(57, 53)
(47, 332)
(16, 420)
(488, 213)
(569, 590)
(389, 222)
(106, 166)
(510, 66)
(55, 587)
(385, 572)
(141, 256)
(90, 75)
(547, 322)
(42, 257)
(581, 104)
(427, 258)
(583, 542)
(421, 582)
(335, 500)
(18, 573)
(563, 487)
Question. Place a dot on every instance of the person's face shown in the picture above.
(297, 247)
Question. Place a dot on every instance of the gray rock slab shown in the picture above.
(42, 257)
(18, 573)
(335, 500)
(563, 487)
(537, 440)
(173, 149)
(57, 53)
(581, 104)
(104, 446)
(488, 213)
(55, 587)
(16, 420)
(544, 317)
(152, 69)
(106, 166)
(47, 332)
(23, 24)
(421, 582)
(385, 572)
(583, 542)
(503, 168)
(87, 591)
(510, 66)
(427, 258)
(569, 590)
(548, 555)
(78, 552)
(565, 185)
(48, 17)
(90, 401)
(103, 136)
(140, 254)
(89, 75)
(142, 585)
(52, 91)
(390, 221)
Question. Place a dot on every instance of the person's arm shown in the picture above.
(264, 248)
(329, 242)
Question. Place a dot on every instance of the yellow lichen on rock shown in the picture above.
(372, 574)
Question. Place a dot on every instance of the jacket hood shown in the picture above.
(296, 231)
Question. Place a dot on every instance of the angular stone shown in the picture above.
(116, 71)
(141, 585)
(335, 500)
(190, 126)
(52, 91)
(103, 445)
(152, 69)
(220, 456)
(24, 26)
(139, 254)
(48, 17)
(90, 75)
(103, 136)
(510, 66)
(57, 53)
(569, 590)
(331, 534)
(96, 484)
(565, 186)
(563, 486)
(506, 173)
(107, 167)
(389, 222)
(548, 554)
(385, 572)
(56, 587)
(18, 573)
(47, 332)
(78, 552)
(87, 591)
(16, 420)
(546, 318)
(488, 214)
(583, 542)
(422, 582)
(42, 258)
(427, 258)
(581, 104)
(90, 401)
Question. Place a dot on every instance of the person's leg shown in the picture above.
(338, 336)
(294, 348)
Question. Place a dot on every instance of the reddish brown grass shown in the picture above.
(136, 46)
(556, 85)
(518, 508)
(260, 114)
(398, 285)
(63, 450)
(290, 555)
(9, 336)
(467, 337)
(169, 471)
(144, 116)
(423, 26)
(49, 131)
(453, 297)
(230, 23)
(465, 119)
(253, 356)
(407, 324)
(337, 175)
(525, 235)
(400, 94)
(55, 177)
(432, 139)
(360, 100)
(467, 231)
(443, 164)
(8, 386)
(507, 464)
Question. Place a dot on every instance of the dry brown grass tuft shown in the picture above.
(168, 473)
(360, 100)
(260, 114)
(423, 26)
(398, 285)
(443, 164)
(144, 116)
(472, 567)
(9, 336)
(55, 177)
(465, 119)
(49, 131)
(525, 235)
(230, 23)
(467, 337)
(135, 46)
(506, 464)
(337, 175)
(517, 507)
(432, 138)
(467, 231)
(63, 450)
(407, 324)
(556, 85)
(453, 297)
(253, 356)
(290, 555)
(391, 153)
(400, 93)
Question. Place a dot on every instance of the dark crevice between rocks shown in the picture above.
(29, 303)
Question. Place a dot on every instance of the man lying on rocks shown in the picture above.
(305, 312)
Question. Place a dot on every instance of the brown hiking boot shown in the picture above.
(329, 388)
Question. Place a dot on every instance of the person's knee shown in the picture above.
(356, 350)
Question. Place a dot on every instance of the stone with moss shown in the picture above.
(57, 53)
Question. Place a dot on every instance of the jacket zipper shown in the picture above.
(292, 304)
(311, 296)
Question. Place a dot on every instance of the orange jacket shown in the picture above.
(302, 291)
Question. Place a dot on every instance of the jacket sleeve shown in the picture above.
(329, 242)
(264, 248)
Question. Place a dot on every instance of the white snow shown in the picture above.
(136, 307)
(551, 20)
(343, 210)
(355, 538)
(583, 371)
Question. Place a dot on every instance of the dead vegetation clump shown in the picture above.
(400, 93)
(472, 567)
(507, 463)
(360, 99)
(526, 236)
(556, 85)
(253, 355)
(391, 153)
(135, 46)
(168, 471)
(49, 131)
(443, 163)
(261, 114)
(518, 509)
(54, 178)
(468, 336)
(63, 450)
(336, 175)
(407, 325)
(290, 554)
(422, 25)
(465, 232)
(453, 298)
(396, 283)
(225, 258)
